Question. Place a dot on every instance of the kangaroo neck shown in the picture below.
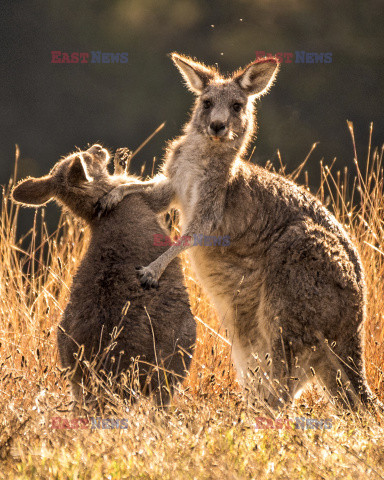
(201, 151)
(115, 228)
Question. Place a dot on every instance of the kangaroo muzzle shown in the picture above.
(217, 129)
(99, 152)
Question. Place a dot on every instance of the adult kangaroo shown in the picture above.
(290, 287)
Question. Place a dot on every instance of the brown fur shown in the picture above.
(291, 281)
(156, 328)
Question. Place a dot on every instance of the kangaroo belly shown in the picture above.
(211, 272)
(239, 300)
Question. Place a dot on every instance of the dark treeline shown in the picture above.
(49, 108)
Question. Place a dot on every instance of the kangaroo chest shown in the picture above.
(188, 183)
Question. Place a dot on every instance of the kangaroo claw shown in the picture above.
(147, 278)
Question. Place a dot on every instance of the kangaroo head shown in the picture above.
(76, 182)
(224, 110)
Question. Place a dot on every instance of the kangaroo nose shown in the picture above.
(99, 152)
(217, 127)
(95, 148)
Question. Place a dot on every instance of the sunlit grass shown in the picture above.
(208, 432)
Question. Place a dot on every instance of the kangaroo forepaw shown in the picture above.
(147, 277)
(108, 202)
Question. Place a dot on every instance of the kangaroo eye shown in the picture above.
(207, 104)
(237, 107)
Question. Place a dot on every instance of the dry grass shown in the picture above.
(208, 432)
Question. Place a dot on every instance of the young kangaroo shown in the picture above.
(291, 281)
(157, 329)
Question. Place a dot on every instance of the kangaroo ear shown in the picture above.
(34, 191)
(78, 171)
(257, 77)
(196, 75)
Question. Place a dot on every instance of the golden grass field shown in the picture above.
(208, 432)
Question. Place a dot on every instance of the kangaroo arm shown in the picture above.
(160, 196)
(149, 276)
(109, 201)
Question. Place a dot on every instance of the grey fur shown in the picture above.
(291, 282)
(157, 328)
